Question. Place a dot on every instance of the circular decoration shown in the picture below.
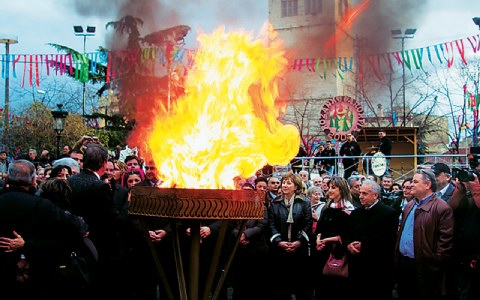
(379, 164)
(340, 116)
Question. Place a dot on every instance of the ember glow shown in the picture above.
(226, 123)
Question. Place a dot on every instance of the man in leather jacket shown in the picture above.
(425, 241)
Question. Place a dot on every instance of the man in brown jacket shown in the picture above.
(425, 241)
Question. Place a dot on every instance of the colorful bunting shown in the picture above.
(408, 59)
(79, 66)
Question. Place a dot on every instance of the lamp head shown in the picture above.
(396, 31)
(78, 29)
(59, 117)
(91, 29)
(410, 31)
(8, 39)
(476, 20)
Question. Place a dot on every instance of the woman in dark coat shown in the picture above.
(330, 233)
(250, 264)
(290, 223)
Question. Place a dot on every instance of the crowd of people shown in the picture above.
(414, 239)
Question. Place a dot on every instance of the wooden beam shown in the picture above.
(409, 140)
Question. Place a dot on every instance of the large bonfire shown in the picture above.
(226, 124)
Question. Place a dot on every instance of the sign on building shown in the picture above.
(341, 115)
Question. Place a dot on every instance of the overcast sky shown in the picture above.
(38, 22)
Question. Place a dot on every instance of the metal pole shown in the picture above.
(58, 144)
(7, 94)
(215, 258)
(403, 80)
(84, 86)
(182, 287)
(464, 124)
(194, 267)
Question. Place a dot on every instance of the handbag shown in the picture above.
(76, 271)
(337, 267)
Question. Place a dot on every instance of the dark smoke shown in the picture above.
(370, 30)
(381, 16)
(140, 94)
(162, 14)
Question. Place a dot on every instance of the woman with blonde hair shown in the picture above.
(290, 223)
(119, 168)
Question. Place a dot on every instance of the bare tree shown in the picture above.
(471, 78)
(447, 87)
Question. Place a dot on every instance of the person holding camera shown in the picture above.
(465, 202)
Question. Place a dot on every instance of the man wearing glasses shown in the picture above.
(443, 176)
(317, 180)
(407, 195)
(273, 185)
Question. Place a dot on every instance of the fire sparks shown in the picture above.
(226, 123)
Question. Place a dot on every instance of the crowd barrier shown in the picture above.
(363, 166)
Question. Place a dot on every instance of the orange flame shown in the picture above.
(226, 123)
(347, 21)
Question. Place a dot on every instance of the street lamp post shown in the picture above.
(90, 31)
(476, 20)
(59, 117)
(408, 34)
(7, 40)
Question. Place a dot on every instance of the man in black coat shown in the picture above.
(385, 146)
(348, 149)
(35, 228)
(159, 233)
(93, 200)
(371, 245)
(329, 163)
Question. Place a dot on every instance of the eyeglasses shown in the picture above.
(133, 180)
(275, 182)
(150, 168)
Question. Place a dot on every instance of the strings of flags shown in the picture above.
(413, 59)
(31, 68)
